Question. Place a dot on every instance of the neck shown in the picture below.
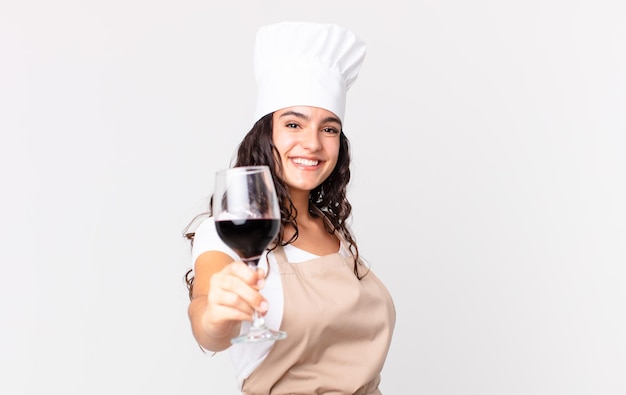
(300, 201)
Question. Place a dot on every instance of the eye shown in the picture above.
(291, 125)
(330, 130)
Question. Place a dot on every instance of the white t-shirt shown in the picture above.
(246, 357)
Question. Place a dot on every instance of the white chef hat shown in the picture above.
(305, 64)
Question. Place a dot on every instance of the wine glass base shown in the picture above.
(259, 335)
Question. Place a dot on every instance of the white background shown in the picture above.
(489, 187)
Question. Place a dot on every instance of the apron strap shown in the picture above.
(279, 254)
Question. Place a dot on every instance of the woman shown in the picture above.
(312, 283)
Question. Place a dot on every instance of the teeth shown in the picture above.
(306, 162)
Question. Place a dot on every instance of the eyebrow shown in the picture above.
(305, 117)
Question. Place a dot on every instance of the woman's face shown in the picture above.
(307, 139)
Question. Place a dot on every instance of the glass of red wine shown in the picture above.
(247, 219)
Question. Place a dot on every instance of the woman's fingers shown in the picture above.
(234, 292)
(245, 273)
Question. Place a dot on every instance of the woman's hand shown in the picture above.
(233, 296)
(225, 292)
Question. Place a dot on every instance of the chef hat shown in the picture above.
(305, 64)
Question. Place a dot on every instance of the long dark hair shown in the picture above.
(328, 199)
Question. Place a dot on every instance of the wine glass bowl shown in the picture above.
(247, 219)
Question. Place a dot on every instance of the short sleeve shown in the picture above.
(207, 239)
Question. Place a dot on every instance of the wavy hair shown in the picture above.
(328, 199)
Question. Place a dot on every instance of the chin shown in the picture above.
(303, 186)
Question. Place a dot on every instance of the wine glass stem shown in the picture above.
(258, 322)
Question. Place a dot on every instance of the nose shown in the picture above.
(311, 140)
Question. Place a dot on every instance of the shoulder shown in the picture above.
(207, 224)
(207, 239)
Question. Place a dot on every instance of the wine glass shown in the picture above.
(247, 219)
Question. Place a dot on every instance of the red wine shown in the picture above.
(249, 238)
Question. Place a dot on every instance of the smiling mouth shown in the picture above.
(306, 162)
